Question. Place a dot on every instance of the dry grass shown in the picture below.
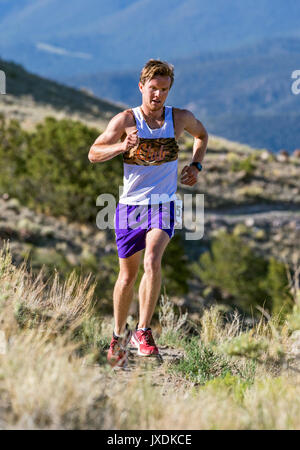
(43, 388)
(268, 404)
(45, 383)
(221, 144)
(172, 324)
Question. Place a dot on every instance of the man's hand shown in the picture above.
(132, 140)
(189, 175)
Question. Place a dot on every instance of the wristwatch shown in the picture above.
(197, 164)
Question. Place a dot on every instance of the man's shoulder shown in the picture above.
(126, 118)
(182, 115)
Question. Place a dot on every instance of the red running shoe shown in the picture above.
(144, 342)
(116, 355)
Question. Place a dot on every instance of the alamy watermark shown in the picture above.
(186, 212)
(2, 82)
(295, 88)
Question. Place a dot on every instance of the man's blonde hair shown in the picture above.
(155, 67)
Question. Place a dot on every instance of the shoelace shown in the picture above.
(148, 337)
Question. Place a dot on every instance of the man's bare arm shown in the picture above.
(193, 126)
(107, 145)
(197, 130)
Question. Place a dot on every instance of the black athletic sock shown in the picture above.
(126, 330)
(136, 328)
(115, 336)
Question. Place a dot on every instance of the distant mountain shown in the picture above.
(55, 38)
(254, 78)
(243, 94)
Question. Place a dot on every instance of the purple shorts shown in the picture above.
(132, 222)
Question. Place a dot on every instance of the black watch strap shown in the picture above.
(197, 164)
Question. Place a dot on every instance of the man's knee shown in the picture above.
(127, 279)
(152, 263)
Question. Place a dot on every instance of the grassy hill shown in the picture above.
(31, 98)
(215, 374)
(227, 325)
(250, 194)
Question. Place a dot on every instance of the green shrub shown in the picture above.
(251, 191)
(293, 319)
(51, 170)
(202, 363)
(230, 385)
(240, 229)
(49, 259)
(243, 277)
(277, 287)
(27, 317)
(175, 270)
(235, 269)
(245, 345)
(91, 341)
(245, 164)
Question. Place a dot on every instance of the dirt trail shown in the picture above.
(167, 355)
(153, 367)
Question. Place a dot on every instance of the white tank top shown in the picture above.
(150, 169)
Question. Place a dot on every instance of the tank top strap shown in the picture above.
(169, 121)
(168, 113)
(166, 131)
(138, 118)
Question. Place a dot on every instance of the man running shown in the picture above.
(147, 137)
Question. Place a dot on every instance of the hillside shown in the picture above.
(249, 193)
(225, 363)
(30, 98)
(227, 321)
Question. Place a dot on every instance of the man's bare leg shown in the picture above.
(149, 289)
(123, 290)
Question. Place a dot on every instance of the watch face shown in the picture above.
(197, 164)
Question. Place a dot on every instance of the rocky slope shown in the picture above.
(252, 193)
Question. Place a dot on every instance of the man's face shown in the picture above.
(155, 91)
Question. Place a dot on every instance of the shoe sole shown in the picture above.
(137, 345)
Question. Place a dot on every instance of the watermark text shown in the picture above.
(296, 84)
(161, 211)
(2, 82)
